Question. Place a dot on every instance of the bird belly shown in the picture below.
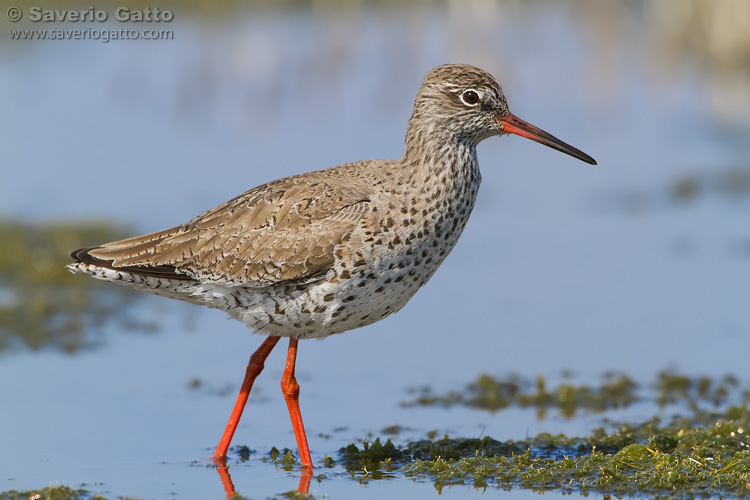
(360, 290)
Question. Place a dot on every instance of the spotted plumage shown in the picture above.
(324, 252)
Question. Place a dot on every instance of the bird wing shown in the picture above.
(283, 231)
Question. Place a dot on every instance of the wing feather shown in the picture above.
(283, 231)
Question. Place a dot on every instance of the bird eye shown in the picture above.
(470, 98)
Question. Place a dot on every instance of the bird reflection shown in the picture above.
(226, 479)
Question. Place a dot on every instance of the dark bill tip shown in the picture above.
(514, 125)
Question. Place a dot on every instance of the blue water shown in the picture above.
(550, 274)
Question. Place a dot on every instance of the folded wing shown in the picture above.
(284, 231)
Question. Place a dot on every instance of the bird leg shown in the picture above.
(254, 367)
(304, 481)
(290, 388)
(226, 481)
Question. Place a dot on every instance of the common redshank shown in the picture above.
(324, 252)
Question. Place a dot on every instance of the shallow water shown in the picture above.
(563, 266)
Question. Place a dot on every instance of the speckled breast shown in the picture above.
(376, 272)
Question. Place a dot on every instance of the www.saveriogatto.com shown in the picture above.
(66, 24)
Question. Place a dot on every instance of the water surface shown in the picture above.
(636, 265)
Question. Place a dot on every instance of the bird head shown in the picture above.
(468, 104)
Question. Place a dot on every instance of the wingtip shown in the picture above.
(83, 259)
(82, 255)
(74, 253)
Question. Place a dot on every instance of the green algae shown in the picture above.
(374, 456)
(328, 462)
(704, 454)
(636, 469)
(41, 303)
(614, 392)
(54, 493)
(392, 430)
(244, 453)
(283, 459)
(701, 460)
(493, 394)
(674, 387)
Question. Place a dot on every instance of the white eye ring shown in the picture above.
(471, 97)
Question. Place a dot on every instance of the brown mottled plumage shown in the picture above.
(324, 252)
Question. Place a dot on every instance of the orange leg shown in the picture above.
(226, 481)
(254, 367)
(304, 481)
(290, 388)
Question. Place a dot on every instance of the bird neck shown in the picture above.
(433, 157)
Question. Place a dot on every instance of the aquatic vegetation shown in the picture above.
(392, 430)
(492, 394)
(673, 387)
(374, 458)
(705, 453)
(41, 302)
(53, 493)
(615, 391)
(700, 456)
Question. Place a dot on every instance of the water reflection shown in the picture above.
(677, 38)
(41, 303)
(616, 391)
(727, 185)
(222, 468)
(251, 92)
